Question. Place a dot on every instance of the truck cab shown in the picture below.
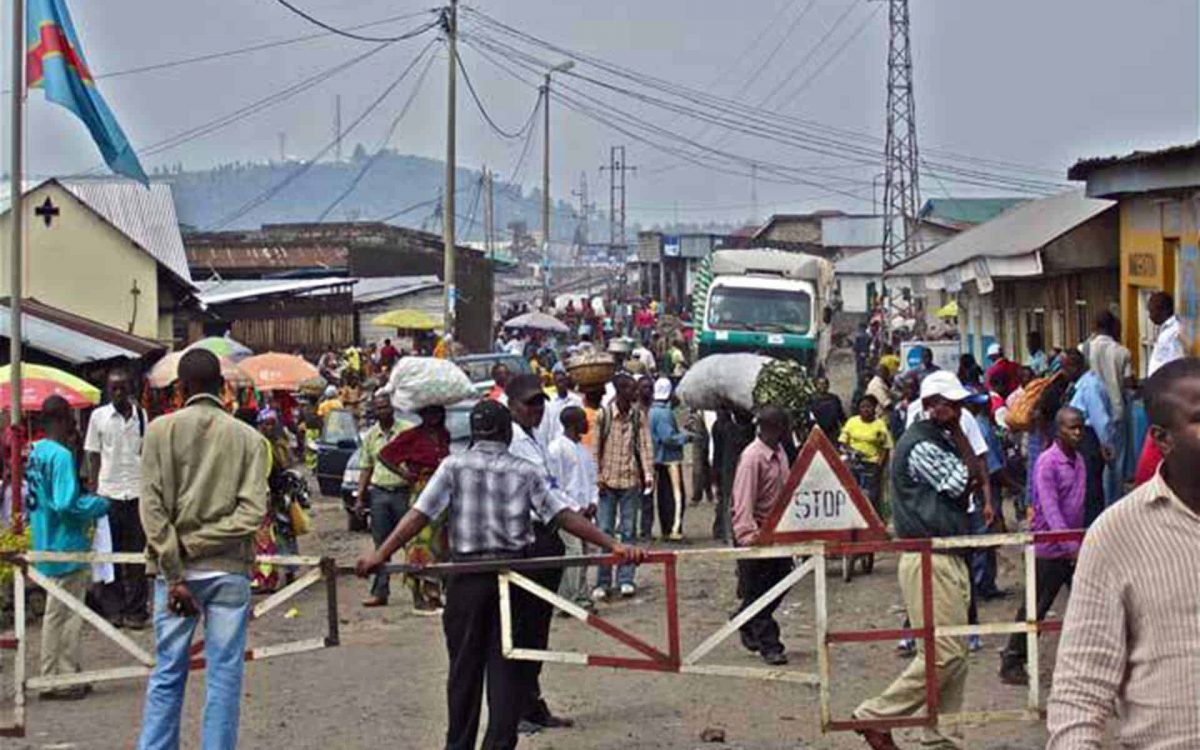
(768, 302)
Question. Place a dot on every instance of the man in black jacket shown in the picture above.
(930, 486)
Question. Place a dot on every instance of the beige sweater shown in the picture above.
(204, 490)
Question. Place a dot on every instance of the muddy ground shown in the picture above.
(384, 686)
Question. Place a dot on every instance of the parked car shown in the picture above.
(458, 422)
(339, 440)
(479, 368)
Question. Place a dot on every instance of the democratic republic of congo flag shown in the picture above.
(55, 63)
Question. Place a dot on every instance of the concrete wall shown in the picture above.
(81, 264)
(1159, 239)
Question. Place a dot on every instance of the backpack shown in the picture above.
(1024, 411)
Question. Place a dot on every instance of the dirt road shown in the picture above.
(384, 686)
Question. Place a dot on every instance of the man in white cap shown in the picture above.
(931, 483)
(668, 443)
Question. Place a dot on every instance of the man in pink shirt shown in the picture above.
(1058, 494)
(761, 473)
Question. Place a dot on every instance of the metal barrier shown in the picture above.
(320, 568)
(817, 553)
(670, 659)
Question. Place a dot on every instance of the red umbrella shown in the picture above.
(37, 390)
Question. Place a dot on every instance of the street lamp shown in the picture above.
(560, 68)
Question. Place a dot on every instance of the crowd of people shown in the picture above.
(554, 470)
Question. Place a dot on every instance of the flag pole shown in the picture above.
(15, 244)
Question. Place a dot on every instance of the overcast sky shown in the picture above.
(1038, 82)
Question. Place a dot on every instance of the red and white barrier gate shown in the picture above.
(320, 568)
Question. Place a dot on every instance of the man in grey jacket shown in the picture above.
(204, 494)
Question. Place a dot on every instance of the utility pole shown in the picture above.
(616, 204)
(489, 214)
(337, 127)
(754, 192)
(561, 67)
(450, 27)
(583, 235)
(901, 191)
(16, 247)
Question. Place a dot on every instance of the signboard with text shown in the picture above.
(821, 500)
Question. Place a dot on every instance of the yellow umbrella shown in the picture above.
(52, 377)
(412, 320)
(948, 310)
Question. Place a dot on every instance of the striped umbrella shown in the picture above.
(39, 382)
(223, 346)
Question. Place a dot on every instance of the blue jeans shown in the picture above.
(225, 603)
(625, 505)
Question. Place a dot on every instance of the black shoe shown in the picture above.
(751, 645)
(74, 693)
(542, 717)
(995, 594)
(1014, 674)
(775, 658)
(136, 623)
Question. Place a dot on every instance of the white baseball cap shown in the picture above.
(994, 350)
(944, 384)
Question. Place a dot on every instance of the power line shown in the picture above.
(206, 57)
(483, 110)
(260, 105)
(303, 169)
(775, 119)
(837, 53)
(350, 34)
(362, 172)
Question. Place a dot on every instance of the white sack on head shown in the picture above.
(721, 378)
(418, 382)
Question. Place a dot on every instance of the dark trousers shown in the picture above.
(755, 578)
(701, 472)
(387, 508)
(532, 617)
(1089, 448)
(1052, 575)
(471, 624)
(646, 523)
(128, 595)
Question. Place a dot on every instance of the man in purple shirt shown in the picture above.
(1058, 496)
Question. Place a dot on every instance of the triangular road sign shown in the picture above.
(821, 500)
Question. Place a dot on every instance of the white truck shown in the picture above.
(768, 302)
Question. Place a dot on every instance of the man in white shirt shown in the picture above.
(572, 463)
(562, 398)
(114, 469)
(646, 357)
(1168, 347)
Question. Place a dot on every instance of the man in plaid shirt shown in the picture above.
(490, 496)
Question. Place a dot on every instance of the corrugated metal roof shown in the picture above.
(968, 210)
(370, 290)
(221, 292)
(1019, 231)
(1084, 167)
(58, 334)
(276, 257)
(146, 216)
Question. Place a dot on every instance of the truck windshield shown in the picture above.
(775, 310)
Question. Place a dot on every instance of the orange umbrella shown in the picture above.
(278, 372)
(166, 371)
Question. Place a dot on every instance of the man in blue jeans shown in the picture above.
(204, 494)
(625, 458)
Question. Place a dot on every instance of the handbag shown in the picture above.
(301, 520)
